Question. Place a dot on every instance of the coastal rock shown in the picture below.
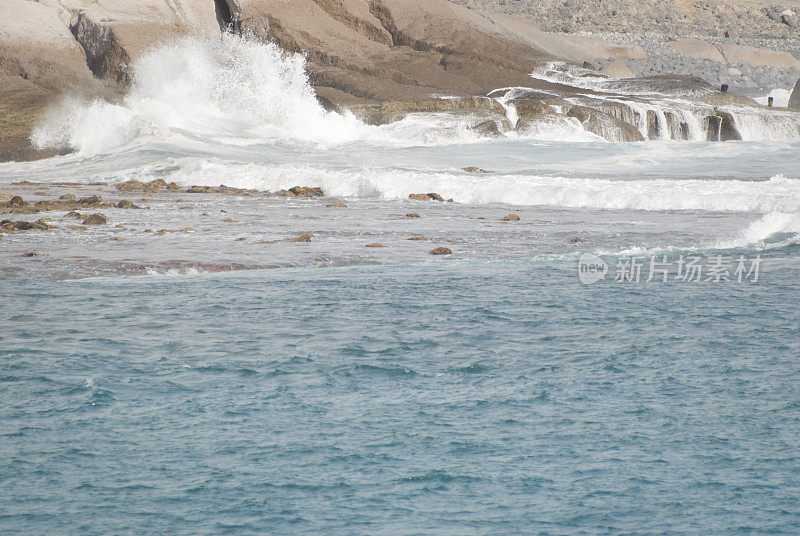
(201, 190)
(375, 245)
(413, 215)
(149, 187)
(68, 197)
(16, 201)
(442, 251)
(126, 204)
(418, 238)
(306, 237)
(474, 170)
(794, 100)
(618, 69)
(604, 125)
(510, 217)
(488, 129)
(90, 200)
(96, 219)
(426, 197)
(40, 225)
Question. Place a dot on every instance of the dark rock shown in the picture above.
(30, 254)
(728, 130)
(302, 191)
(488, 128)
(74, 214)
(336, 205)
(474, 170)
(91, 200)
(96, 219)
(418, 238)
(16, 201)
(794, 100)
(413, 215)
(68, 197)
(201, 190)
(576, 240)
(426, 197)
(126, 204)
(442, 251)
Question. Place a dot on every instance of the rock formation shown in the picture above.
(794, 100)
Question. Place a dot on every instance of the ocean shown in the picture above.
(624, 359)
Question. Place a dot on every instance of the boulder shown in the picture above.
(618, 69)
(510, 217)
(488, 129)
(698, 49)
(302, 238)
(426, 197)
(90, 200)
(794, 100)
(96, 219)
(442, 251)
(68, 197)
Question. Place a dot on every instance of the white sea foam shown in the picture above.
(776, 194)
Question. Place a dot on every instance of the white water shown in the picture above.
(243, 114)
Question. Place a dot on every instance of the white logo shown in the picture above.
(591, 269)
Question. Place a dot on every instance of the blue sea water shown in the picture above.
(462, 397)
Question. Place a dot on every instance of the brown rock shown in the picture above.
(375, 245)
(336, 205)
(91, 200)
(96, 219)
(305, 191)
(68, 197)
(16, 201)
(229, 220)
(30, 254)
(302, 238)
(576, 240)
(510, 217)
(413, 215)
(474, 170)
(201, 190)
(77, 228)
(426, 197)
(442, 251)
(418, 238)
(126, 204)
(117, 239)
(74, 214)
(240, 239)
(188, 230)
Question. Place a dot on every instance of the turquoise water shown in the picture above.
(464, 397)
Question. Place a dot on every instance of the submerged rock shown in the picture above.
(96, 219)
(488, 128)
(418, 238)
(375, 245)
(576, 240)
(474, 170)
(510, 217)
(442, 251)
(90, 200)
(302, 238)
(38, 225)
(68, 197)
(413, 215)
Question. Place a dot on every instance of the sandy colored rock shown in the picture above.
(618, 69)
(698, 49)
(375, 245)
(758, 56)
(474, 170)
(510, 217)
(413, 215)
(794, 100)
(418, 238)
(442, 251)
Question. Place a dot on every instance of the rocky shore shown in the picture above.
(73, 230)
(384, 59)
